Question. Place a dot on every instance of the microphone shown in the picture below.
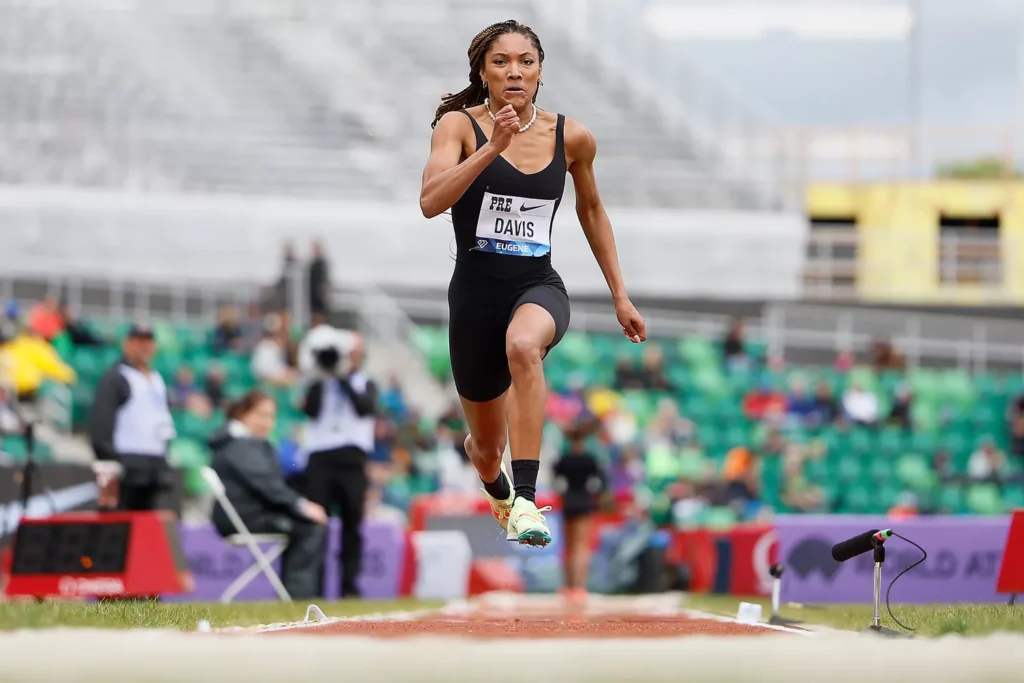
(858, 545)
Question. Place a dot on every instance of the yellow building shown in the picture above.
(940, 242)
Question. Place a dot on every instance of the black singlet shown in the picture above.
(503, 221)
(503, 226)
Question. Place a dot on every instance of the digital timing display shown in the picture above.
(90, 548)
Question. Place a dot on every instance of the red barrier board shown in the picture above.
(93, 554)
(750, 548)
(1011, 574)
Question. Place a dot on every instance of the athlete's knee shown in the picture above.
(522, 350)
(487, 446)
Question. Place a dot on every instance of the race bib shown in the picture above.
(514, 226)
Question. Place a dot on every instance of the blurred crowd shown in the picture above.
(664, 464)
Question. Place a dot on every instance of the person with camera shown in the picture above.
(341, 404)
(247, 464)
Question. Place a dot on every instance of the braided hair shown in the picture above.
(475, 93)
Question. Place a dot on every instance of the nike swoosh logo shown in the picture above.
(524, 207)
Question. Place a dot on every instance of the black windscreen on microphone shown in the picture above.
(852, 547)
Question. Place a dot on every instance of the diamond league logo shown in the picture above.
(481, 243)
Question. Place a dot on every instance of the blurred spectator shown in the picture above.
(763, 400)
(734, 346)
(627, 471)
(740, 478)
(270, 357)
(825, 408)
(860, 405)
(9, 422)
(281, 297)
(213, 386)
(78, 330)
(800, 405)
(392, 400)
(251, 327)
(227, 335)
(885, 357)
(669, 426)
(652, 371)
(1016, 420)
(987, 463)
(906, 506)
(798, 493)
(45, 319)
(899, 415)
(627, 375)
(319, 281)
(942, 463)
(185, 394)
(844, 361)
(27, 360)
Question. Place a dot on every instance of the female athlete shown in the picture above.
(579, 478)
(499, 163)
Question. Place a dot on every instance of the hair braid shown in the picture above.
(476, 91)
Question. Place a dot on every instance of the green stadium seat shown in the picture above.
(985, 499)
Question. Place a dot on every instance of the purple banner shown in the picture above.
(964, 554)
(215, 564)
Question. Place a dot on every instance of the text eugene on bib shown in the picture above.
(515, 226)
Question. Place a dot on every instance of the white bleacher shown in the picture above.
(314, 104)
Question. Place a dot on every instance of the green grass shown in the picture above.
(147, 614)
(928, 620)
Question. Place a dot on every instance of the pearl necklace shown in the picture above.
(487, 103)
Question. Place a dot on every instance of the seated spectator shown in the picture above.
(185, 394)
(45, 320)
(899, 415)
(762, 401)
(270, 357)
(942, 463)
(885, 357)
(652, 370)
(740, 479)
(825, 409)
(800, 405)
(78, 331)
(627, 375)
(798, 493)
(844, 361)
(734, 346)
(247, 463)
(1015, 417)
(987, 463)
(906, 506)
(860, 405)
(213, 387)
(227, 335)
(627, 471)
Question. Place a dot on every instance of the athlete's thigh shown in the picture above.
(476, 341)
(547, 325)
(531, 326)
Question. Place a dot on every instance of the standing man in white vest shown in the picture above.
(341, 404)
(131, 422)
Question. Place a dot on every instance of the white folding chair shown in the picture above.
(264, 562)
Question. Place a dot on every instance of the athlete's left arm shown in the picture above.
(581, 150)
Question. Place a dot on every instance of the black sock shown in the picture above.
(524, 473)
(498, 488)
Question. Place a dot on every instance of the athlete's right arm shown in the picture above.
(444, 178)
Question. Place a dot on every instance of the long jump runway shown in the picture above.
(507, 638)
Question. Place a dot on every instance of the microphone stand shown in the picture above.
(776, 571)
(876, 627)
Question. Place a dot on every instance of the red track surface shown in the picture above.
(537, 626)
